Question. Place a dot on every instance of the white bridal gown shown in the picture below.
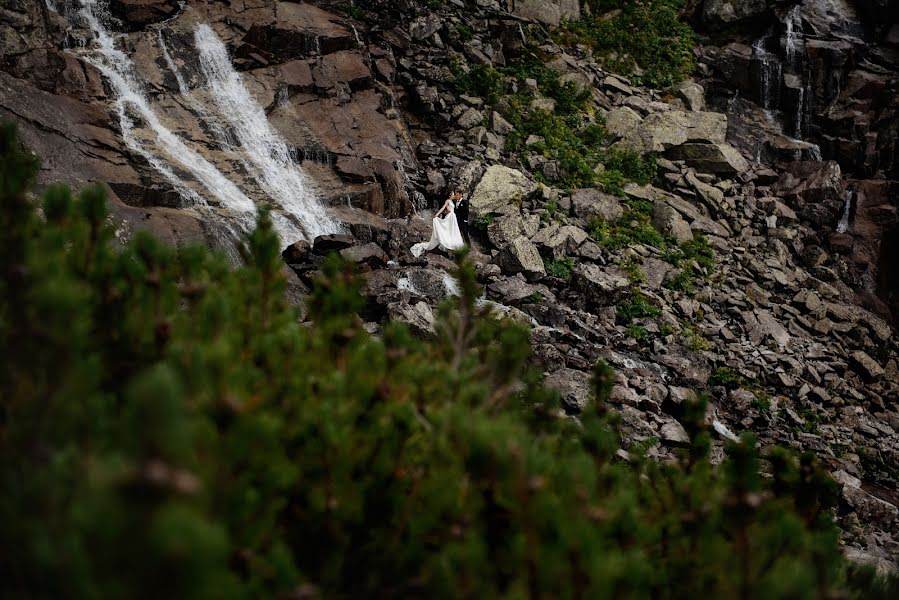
(444, 233)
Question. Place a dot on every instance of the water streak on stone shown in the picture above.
(843, 225)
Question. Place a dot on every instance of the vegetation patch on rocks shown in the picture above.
(644, 40)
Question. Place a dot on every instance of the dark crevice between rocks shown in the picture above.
(888, 271)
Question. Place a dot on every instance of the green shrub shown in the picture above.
(554, 212)
(484, 221)
(693, 338)
(726, 377)
(761, 402)
(634, 270)
(481, 81)
(631, 165)
(532, 65)
(637, 306)
(632, 228)
(645, 41)
(169, 430)
(682, 282)
(611, 181)
(696, 261)
(638, 332)
(351, 9)
(560, 268)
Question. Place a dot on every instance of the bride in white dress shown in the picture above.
(445, 232)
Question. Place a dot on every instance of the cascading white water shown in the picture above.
(219, 131)
(451, 285)
(800, 107)
(769, 74)
(843, 225)
(236, 120)
(268, 156)
(357, 36)
(155, 142)
(793, 34)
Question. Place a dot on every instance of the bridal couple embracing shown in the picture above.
(445, 232)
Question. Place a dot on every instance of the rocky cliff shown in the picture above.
(825, 73)
(754, 266)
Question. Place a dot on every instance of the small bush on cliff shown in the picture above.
(644, 40)
(480, 81)
(570, 136)
(168, 430)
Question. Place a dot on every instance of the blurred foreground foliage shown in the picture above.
(169, 430)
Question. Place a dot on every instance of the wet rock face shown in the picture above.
(831, 72)
(327, 94)
(298, 30)
(820, 81)
(137, 14)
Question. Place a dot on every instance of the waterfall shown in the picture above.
(769, 74)
(266, 155)
(843, 225)
(800, 108)
(238, 124)
(793, 34)
(357, 36)
(451, 285)
(222, 136)
(142, 130)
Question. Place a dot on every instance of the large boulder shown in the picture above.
(505, 229)
(668, 221)
(332, 242)
(574, 388)
(425, 26)
(513, 290)
(341, 67)
(547, 12)
(434, 284)
(499, 191)
(662, 131)
(762, 326)
(418, 317)
(297, 253)
(369, 256)
(522, 256)
(868, 507)
(866, 366)
(602, 286)
(816, 190)
(692, 94)
(590, 204)
(812, 181)
(710, 196)
(565, 241)
(297, 27)
(711, 158)
(622, 121)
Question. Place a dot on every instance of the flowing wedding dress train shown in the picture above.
(444, 233)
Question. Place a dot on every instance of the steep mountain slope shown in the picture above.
(749, 263)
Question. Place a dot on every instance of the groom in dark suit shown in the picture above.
(462, 215)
